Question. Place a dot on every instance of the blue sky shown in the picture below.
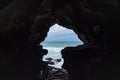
(59, 33)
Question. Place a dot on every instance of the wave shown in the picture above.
(54, 53)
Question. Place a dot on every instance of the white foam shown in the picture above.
(54, 53)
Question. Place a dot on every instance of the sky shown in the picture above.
(59, 33)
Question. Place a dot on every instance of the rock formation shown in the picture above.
(25, 23)
(52, 73)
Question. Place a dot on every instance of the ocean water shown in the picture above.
(60, 43)
(54, 50)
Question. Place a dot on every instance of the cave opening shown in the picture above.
(58, 37)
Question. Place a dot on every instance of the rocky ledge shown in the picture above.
(52, 73)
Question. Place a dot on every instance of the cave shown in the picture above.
(25, 23)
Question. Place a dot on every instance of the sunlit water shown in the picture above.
(54, 51)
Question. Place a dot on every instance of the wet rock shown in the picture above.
(51, 73)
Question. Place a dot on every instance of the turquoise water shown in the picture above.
(61, 43)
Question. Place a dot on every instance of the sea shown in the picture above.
(54, 50)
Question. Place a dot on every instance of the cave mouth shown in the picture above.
(58, 37)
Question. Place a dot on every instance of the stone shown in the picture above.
(51, 73)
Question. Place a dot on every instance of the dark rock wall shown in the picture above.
(100, 60)
(19, 57)
(25, 23)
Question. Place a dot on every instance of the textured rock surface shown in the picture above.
(25, 23)
(52, 73)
